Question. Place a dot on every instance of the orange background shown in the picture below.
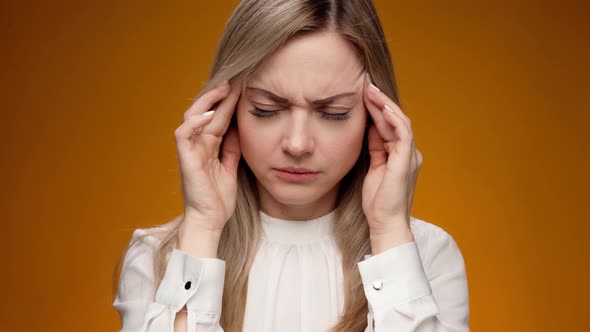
(92, 92)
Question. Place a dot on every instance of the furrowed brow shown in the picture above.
(329, 100)
(270, 95)
(285, 101)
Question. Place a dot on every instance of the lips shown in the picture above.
(297, 170)
(296, 174)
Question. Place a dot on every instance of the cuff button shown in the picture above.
(187, 285)
(377, 285)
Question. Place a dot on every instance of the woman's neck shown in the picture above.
(297, 212)
(303, 211)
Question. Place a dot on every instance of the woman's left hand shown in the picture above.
(389, 186)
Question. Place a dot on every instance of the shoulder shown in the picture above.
(438, 250)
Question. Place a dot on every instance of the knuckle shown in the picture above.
(205, 101)
(178, 132)
(216, 93)
(209, 97)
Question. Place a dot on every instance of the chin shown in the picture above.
(295, 200)
(289, 196)
(297, 195)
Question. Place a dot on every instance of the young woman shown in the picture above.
(298, 170)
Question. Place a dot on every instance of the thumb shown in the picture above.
(376, 148)
(230, 151)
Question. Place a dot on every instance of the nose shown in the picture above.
(298, 139)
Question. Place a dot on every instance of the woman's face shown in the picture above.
(303, 110)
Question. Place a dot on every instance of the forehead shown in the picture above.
(313, 65)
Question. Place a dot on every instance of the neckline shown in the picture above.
(297, 231)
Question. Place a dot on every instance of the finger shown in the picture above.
(391, 130)
(397, 136)
(384, 130)
(206, 101)
(224, 112)
(377, 153)
(230, 152)
(397, 110)
(195, 123)
(380, 99)
(404, 140)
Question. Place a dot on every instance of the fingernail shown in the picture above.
(388, 108)
(368, 77)
(209, 113)
(374, 87)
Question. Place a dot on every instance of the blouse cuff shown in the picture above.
(194, 282)
(394, 277)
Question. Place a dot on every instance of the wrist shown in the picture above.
(198, 241)
(392, 236)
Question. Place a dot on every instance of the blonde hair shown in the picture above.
(254, 32)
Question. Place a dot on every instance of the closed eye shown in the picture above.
(324, 115)
(335, 116)
(263, 113)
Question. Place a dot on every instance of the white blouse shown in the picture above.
(295, 283)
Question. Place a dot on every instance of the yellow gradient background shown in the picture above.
(92, 92)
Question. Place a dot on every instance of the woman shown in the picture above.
(298, 174)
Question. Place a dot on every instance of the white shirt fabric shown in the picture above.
(295, 283)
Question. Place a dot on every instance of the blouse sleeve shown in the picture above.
(419, 287)
(191, 281)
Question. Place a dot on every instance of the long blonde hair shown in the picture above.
(254, 32)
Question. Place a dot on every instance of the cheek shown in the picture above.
(342, 150)
(255, 143)
(349, 135)
(345, 147)
(246, 131)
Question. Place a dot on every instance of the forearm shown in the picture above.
(180, 322)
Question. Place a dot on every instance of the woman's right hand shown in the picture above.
(209, 179)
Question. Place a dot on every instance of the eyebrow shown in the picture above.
(284, 101)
